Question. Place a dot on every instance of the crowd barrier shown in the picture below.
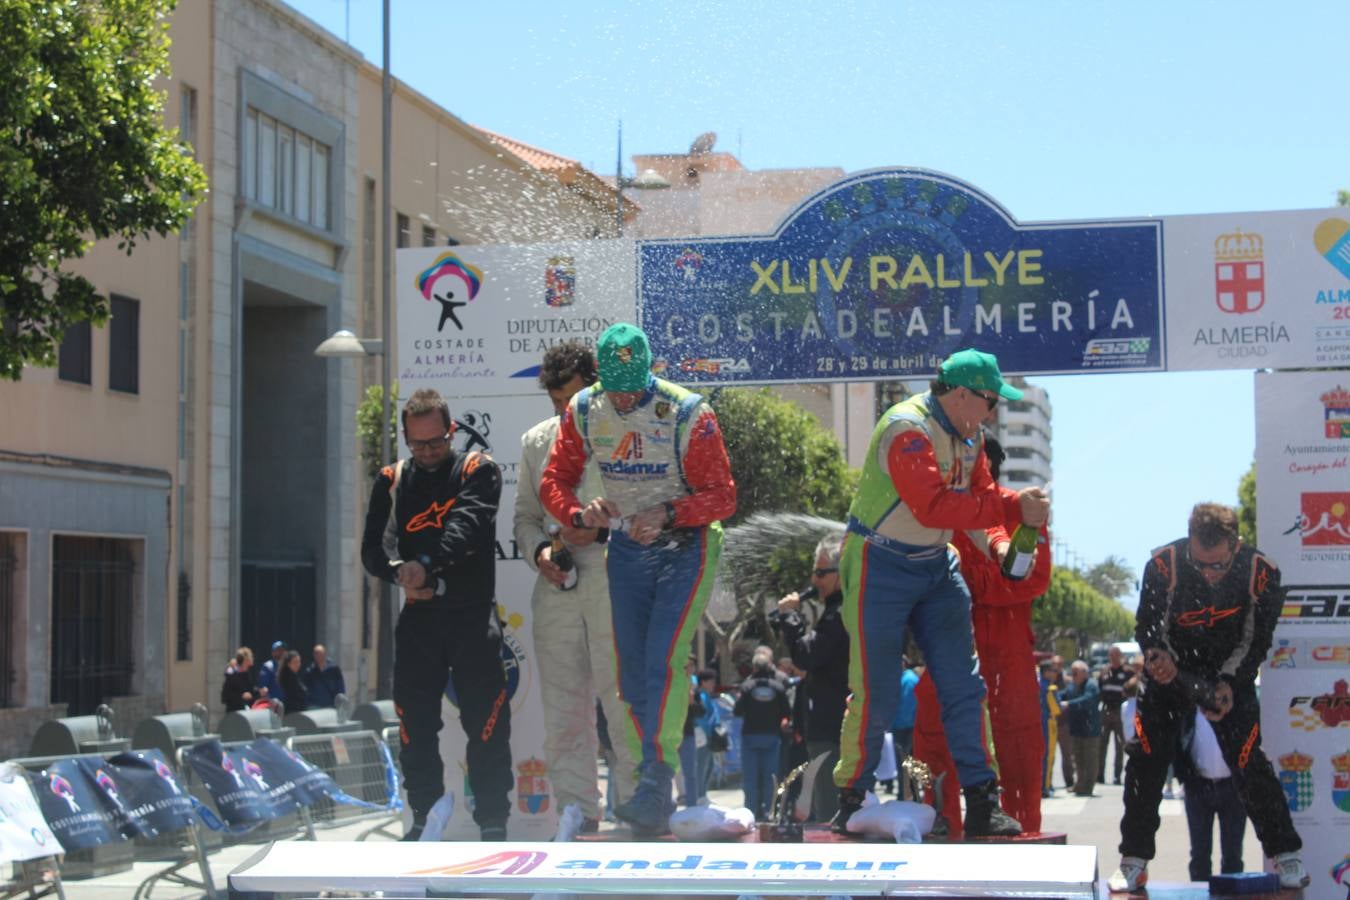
(138, 805)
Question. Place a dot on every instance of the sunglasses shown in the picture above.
(1209, 566)
(821, 573)
(990, 399)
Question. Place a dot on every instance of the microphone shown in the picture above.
(809, 594)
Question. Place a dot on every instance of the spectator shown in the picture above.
(822, 653)
(1050, 713)
(1112, 680)
(695, 739)
(1211, 793)
(763, 708)
(711, 723)
(323, 679)
(1081, 702)
(1062, 734)
(238, 692)
(267, 674)
(292, 687)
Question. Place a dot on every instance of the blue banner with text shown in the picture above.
(885, 273)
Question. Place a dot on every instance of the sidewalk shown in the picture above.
(1094, 821)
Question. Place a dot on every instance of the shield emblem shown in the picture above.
(560, 281)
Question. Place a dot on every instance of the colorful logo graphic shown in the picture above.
(1337, 413)
(1340, 873)
(688, 263)
(1311, 712)
(1296, 779)
(228, 765)
(166, 774)
(560, 281)
(1340, 781)
(630, 447)
(63, 789)
(1323, 519)
(431, 517)
(1331, 237)
(109, 787)
(532, 788)
(1207, 617)
(254, 771)
(504, 862)
(1285, 655)
(1239, 272)
(446, 281)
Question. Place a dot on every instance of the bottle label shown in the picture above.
(570, 579)
(1019, 565)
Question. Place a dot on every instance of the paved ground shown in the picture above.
(1093, 821)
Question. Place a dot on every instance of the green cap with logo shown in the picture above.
(625, 358)
(976, 371)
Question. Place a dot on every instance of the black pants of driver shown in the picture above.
(1162, 708)
(434, 642)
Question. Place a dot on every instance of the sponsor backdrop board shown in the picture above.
(1303, 474)
(1303, 523)
(1258, 290)
(475, 321)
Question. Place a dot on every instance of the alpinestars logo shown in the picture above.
(1207, 617)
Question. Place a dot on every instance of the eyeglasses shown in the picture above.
(433, 444)
(821, 573)
(990, 399)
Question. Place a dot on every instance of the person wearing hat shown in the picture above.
(268, 682)
(665, 484)
(925, 476)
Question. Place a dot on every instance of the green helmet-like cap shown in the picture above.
(625, 358)
(976, 371)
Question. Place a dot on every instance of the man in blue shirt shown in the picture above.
(323, 679)
(1081, 703)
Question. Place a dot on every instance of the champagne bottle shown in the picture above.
(1021, 553)
(562, 557)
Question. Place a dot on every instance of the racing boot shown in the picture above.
(850, 801)
(984, 817)
(648, 810)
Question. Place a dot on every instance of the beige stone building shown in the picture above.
(187, 479)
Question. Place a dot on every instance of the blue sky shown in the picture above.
(1058, 110)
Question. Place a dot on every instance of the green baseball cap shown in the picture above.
(625, 358)
(976, 371)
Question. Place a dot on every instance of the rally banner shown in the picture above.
(75, 805)
(885, 273)
(24, 833)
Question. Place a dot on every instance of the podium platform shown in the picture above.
(814, 868)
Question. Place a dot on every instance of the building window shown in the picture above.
(404, 231)
(124, 345)
(75, 359)
(428, 236)
(286, 169)
(93, 607)
(9, 576)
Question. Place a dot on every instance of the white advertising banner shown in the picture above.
(475, 320)
(1257, 290)
(23, 831)
(1303, 523)
(1303, 474)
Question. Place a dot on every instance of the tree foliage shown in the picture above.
(782, 458)
(84, 155)
(1343, 198)
(368, 415)
(1246, 510)
(1111, 577)
(1073, 608)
